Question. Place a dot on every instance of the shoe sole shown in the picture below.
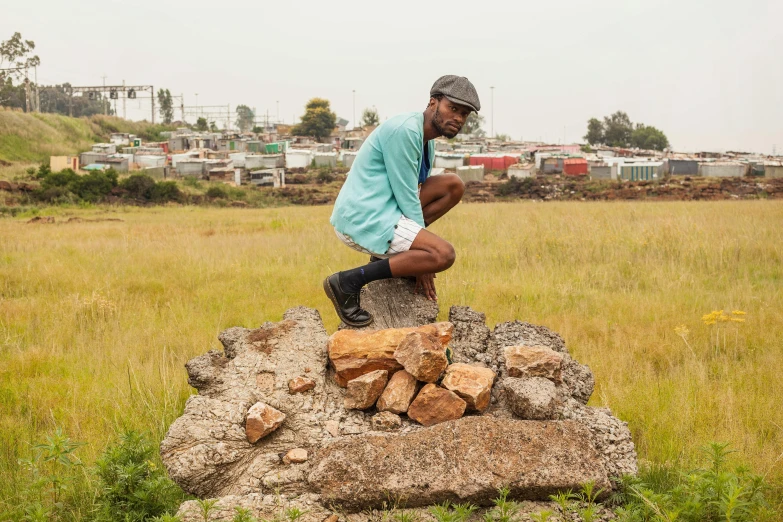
(333, 299)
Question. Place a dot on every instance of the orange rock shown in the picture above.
(434, 405)
(398, 393)
(295, 456)
(353, 353)
(422, 356)
(262, 420)
(472, 383)
(300, 384)
(534, 361)
(365, 390)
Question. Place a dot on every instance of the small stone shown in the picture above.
(386, 421)
(434, 404)
(364, 391)
(333, 428)
(472, 383)
(422, 356)
(307, 370)
(300, 384)
(532, 398)
(295, 456)
(534, 361)
(398, 393)
(262, 420)
(331, 518)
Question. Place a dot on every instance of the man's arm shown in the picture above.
(400, 155)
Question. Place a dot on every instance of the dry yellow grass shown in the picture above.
(97, 319)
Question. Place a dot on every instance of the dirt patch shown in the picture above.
(264, 339)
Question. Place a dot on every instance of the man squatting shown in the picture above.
(389, 198)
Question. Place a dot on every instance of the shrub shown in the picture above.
(68, 186)
(94, 186)
(133, 487)
(164, 191)
(138, 186)
(217, 191)
(192, 181)
(325, 175)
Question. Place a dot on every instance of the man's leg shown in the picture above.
(439, 194)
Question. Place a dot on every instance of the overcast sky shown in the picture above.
(709, 73)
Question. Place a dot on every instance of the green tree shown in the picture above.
(245, 118)
(473, 125)
(595, 132)
(370, 118)
(502, 137)
(15, 57)
(649, 138)
(166, 105)
(201, 124)
(318, 120)
(617, 130)
(213, 127)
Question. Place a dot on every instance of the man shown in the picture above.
(388, 199)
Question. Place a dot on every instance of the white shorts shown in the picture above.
(405, 231)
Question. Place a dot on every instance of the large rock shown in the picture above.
(472, 383)
(422, 355)
(434, 405)
(262, 420)
(353, 353)
(532, 398)
(399, 393)
(364, 391)
(534, 361)
(464, 461)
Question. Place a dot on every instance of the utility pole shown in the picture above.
(103, 93)
(492, 110)
(182, 106)
(123, 100)
(152, 102)
(354, 108)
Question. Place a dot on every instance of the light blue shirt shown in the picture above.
(382, 184)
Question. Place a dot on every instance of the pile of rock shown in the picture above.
(287, 415)
(397, 370)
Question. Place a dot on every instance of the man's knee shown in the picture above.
(456, 188)
(445, 255)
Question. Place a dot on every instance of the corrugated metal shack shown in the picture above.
(575, 166)
(494, 162)
(105, 148)
(448, 161)
(222, 174)
(297, 158)
(642, 171)
(177, 143)
(264, 161)
(522, 170)
(274, 177)
(682, 167)
(116, 162)
(348, 158)
(191, 167)
(471, 173)
(552, 165)
(722, 170)
(325, 159)
(601, 172)
(773, 169)
(91, 158)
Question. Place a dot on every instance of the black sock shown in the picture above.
(351, 281)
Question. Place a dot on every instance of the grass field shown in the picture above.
(98, 318)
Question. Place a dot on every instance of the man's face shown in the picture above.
(449, 117)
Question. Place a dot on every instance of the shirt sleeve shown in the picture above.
(401, 157)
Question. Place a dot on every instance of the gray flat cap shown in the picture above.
(457, 89)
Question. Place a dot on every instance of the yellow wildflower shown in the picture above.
(738, 312)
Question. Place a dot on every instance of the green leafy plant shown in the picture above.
(504, 509)
(243, 515)
(205, 507)
(542, 516)
(447, 512)
(133, 487)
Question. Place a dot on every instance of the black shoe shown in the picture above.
(346, 305)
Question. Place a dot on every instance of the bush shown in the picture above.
(165, 191)
(68, 186)
(138, 186)
(133, 487)
(94, 186)
(217, 191)
(325, 175)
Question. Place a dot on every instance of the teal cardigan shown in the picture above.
(382, 184)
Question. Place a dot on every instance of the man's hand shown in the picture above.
(426, 283)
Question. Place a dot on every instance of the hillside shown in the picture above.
(33, 137)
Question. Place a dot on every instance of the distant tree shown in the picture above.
(258, 129)
(201, 124)
(245, 118)
(213, 127)
(649, 138)
(15, 54)
(617, 130)
(318, 120)
(502, 137)
(595, 132)
(473, 125)
(166, 105)
(370, 118)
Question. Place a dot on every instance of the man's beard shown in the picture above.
(437, 122)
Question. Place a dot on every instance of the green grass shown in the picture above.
(98, 318)
(34, 137)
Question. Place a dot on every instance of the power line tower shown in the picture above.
(129, 92)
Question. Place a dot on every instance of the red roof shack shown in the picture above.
(575, 166)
